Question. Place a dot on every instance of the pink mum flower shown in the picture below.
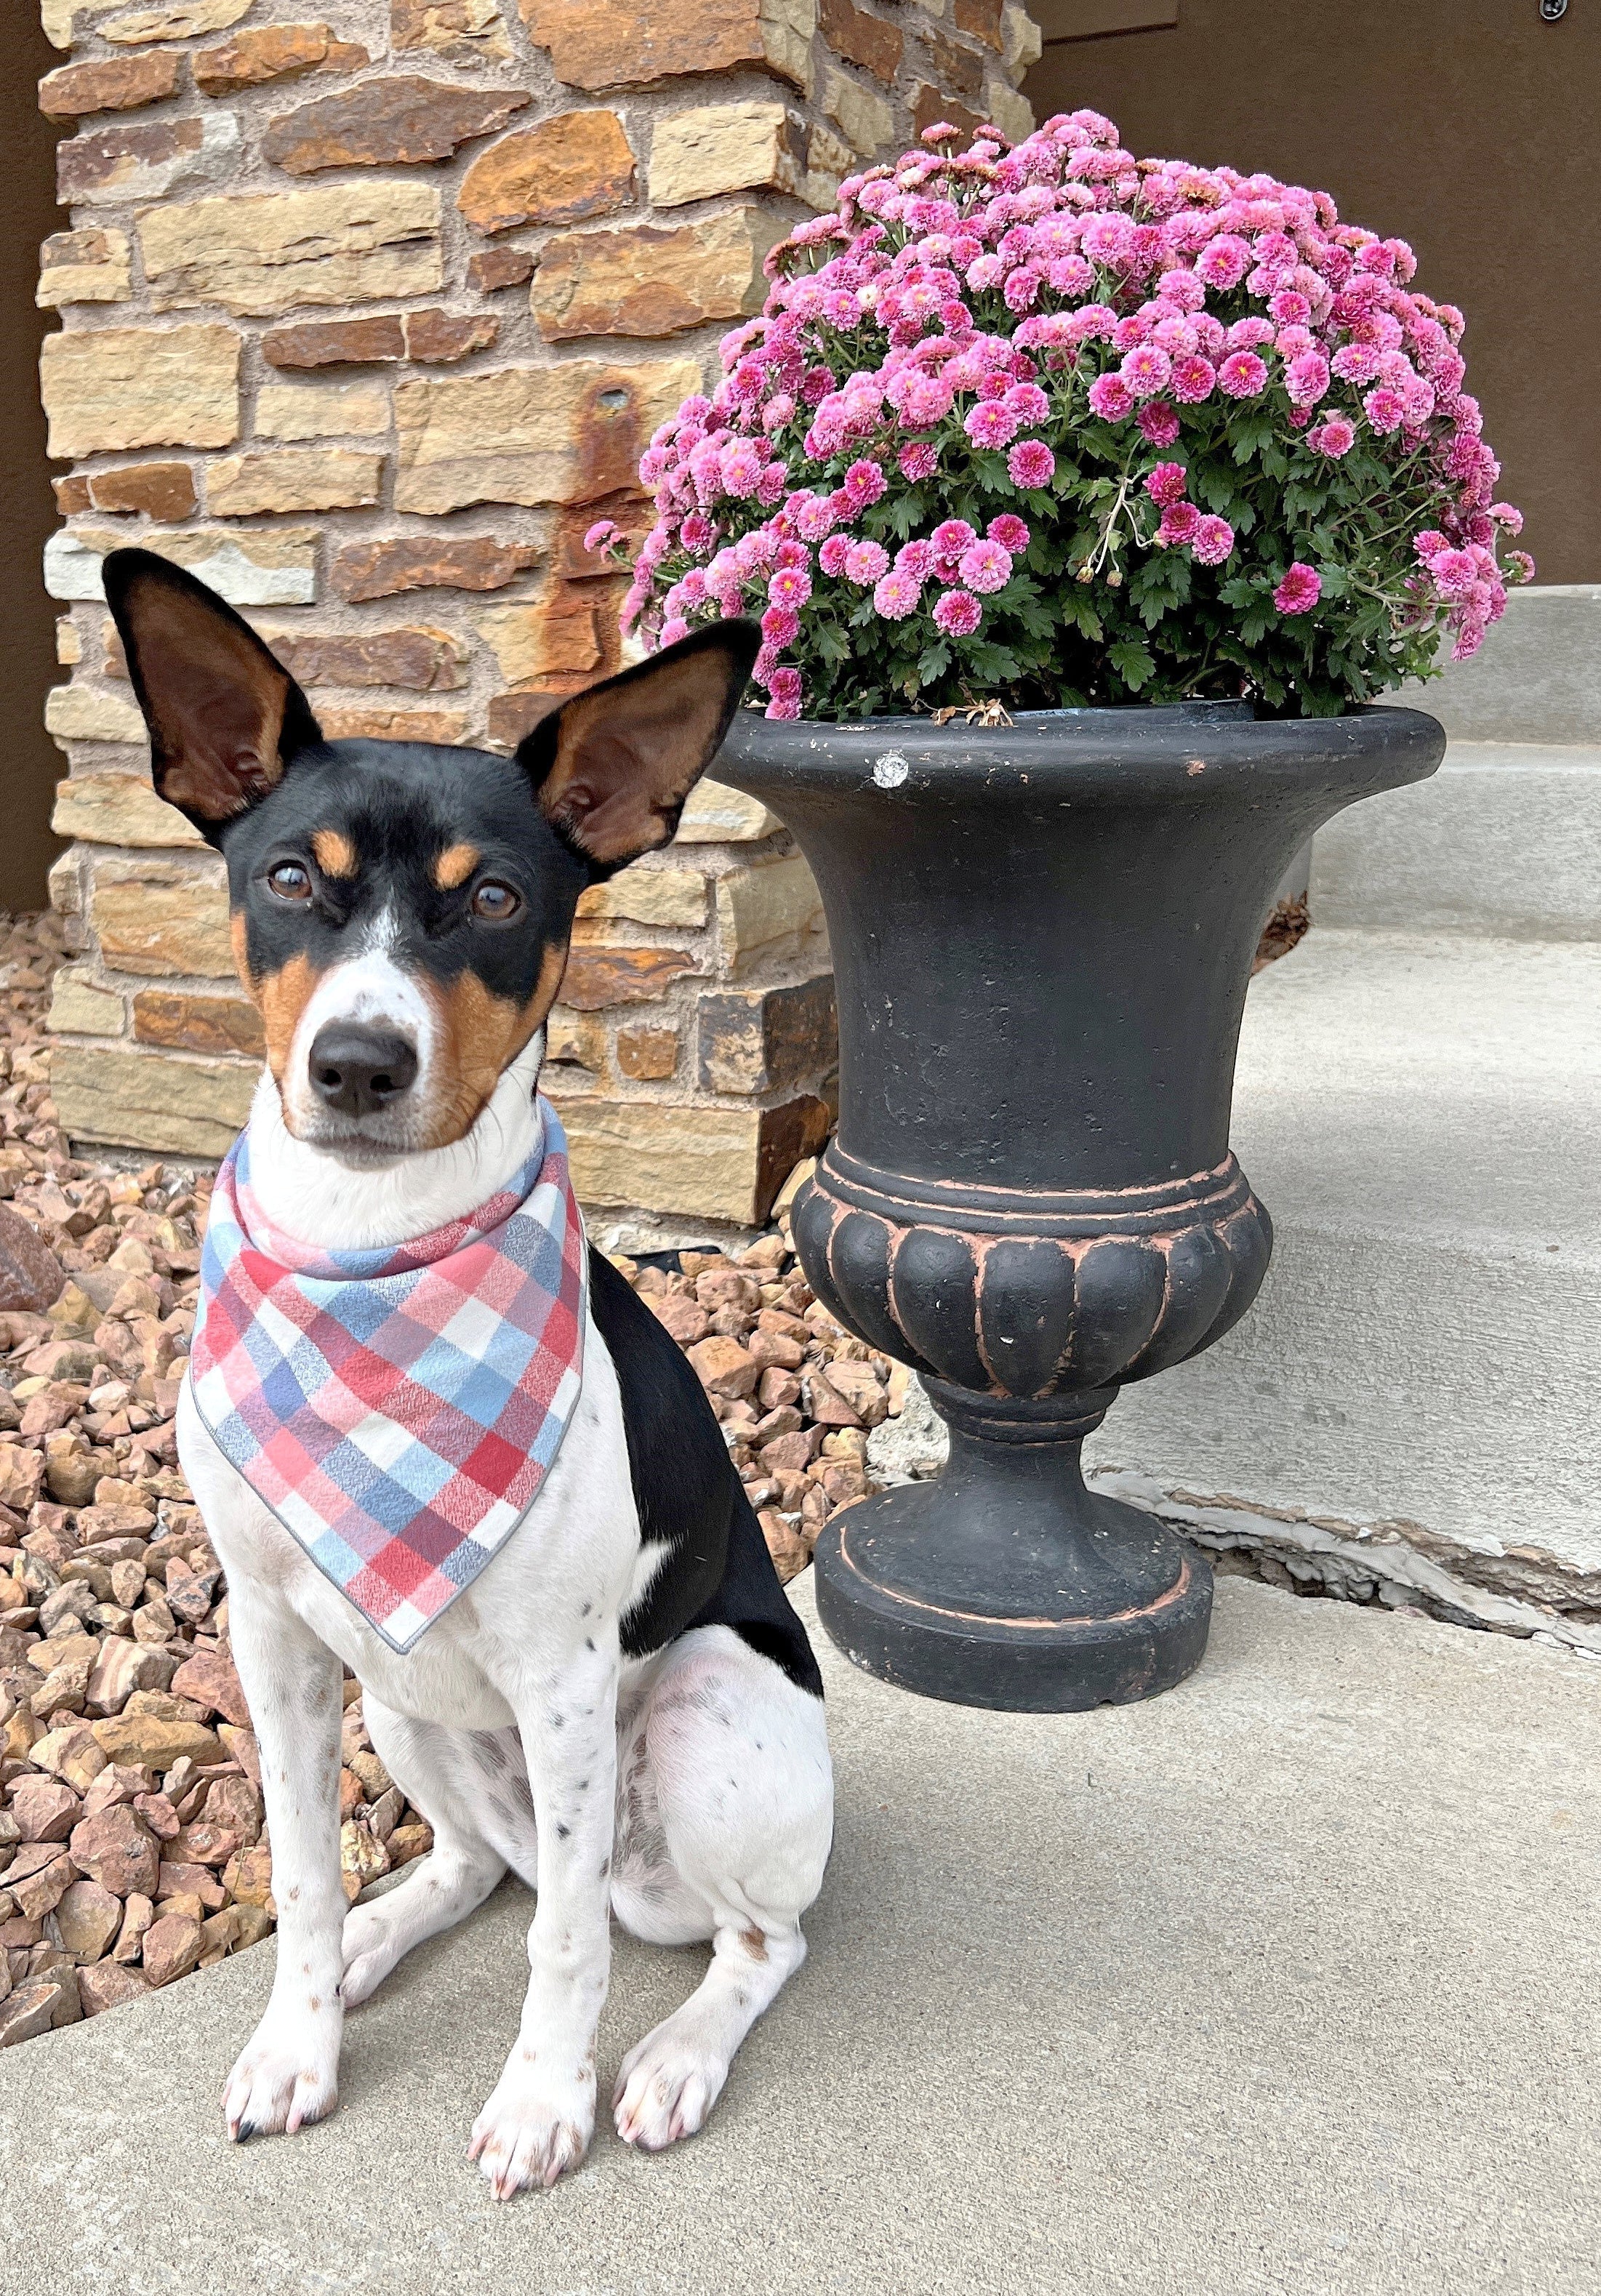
(780, 626)
(1010, 531)
(865, 561)
(1180, 521)
(920, 460)
(957, 614)
(831, 558)
(740, 466)
(952, 538)
(1385, 409)
(1299, 590)
(789, 587)
(1213, 541)
(1031, 463)
(1306, 379)
(600, 534)
(1193, 379)
(1335, 437)
(1169, 482)
(1110, 398)
(1508, 516)
(1242, 374)
(785, 691)
(674, 628)
(985, 567)
(1224, 262)
(915, 559)
(990, 424)
(1146, 370)
(865, 483)
(895, 595)
(1158, 420)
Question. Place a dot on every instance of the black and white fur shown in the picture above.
(622, 1709)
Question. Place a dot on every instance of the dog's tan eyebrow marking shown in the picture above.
(333, 853)
(455, 865)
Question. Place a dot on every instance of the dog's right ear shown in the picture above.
(224, 717)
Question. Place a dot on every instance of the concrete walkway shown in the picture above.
(1287, 1980)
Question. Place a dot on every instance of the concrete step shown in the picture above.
(1275, 1982)
(1422, 1116)
(1537, 677)
(1505, 840)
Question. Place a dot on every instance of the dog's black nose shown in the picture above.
(359, 1070)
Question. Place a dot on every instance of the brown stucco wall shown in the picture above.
(27, 512)
(1470, 126)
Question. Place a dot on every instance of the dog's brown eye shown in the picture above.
(290, 881)
(496, 903)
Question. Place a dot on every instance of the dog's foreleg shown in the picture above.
(289, 2074)
(539, 2122)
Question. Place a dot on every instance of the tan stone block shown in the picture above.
(578, 164)
(599, 977)
(64, 884)
(327, 477)
(654, 281)
(83, 267)
(647, 1055)
(866, 119)
(595, 43)
(828, 160)
(258, 567)
(78, 1007)
(1023, 43)
(275, 51)
(380, 123)
(262, 253)
(551, 639)
(56, 17)
(564, 433)
(767, 1039)
(722, 147)
(384, 569)
(717, 814)
(120, 84)
(704, 1163)
(69, 640)
(1012, 113)
(649, 896)
(321, 410)
(160, 490)
(197, 1024)
(764, 902)
(420, 659)
(88, 713)
(863, 39)
(177, 1106)
(449, 726)
(577, 1037)
(458, 31)
(177, 20)
(106, 387)
(145, 159)
(162, 925)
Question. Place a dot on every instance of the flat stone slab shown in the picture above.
(1284, 1981)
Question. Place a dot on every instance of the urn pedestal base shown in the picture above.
(1007, 1583)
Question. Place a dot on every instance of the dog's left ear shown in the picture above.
(612, 766)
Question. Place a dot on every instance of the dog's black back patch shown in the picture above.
(717, 1571)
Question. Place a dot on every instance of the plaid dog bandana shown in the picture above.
(396, 1409)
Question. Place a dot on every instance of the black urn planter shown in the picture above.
(1042, 935)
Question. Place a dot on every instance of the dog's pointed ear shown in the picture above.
(612, 766)
(224, 717)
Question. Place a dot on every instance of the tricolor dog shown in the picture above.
(436, 1438)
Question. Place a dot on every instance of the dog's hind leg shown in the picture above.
(726, 1816)
(472, 1787)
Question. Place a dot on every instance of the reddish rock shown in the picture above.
(204, 1843)
(599, 977)
(771, 1347)
(686, 1319)
(172, 1947)
(383, 122)
(574, 165)
(862, 39)
(117, 1849)
(421, 661)
(335, 343)
(120, 84)
(437, 338)
(931, 106)
(122, 1668)
(383, 570)
(38, 2006)
(44, 1810)
(235, 1803)
(38, 1893)
(275, 51)
(72, 494)
(31, 1276)
(494, 268)
(108, 1985)
(983, 19)
(88, 1920)
(791, 1454)
(145, 159)
(179, 1878)
(724, 1367)
(211, 1681)
(164, 491)
(137, 1916)
(198, 1023)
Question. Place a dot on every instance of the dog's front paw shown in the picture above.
(286, 2078)
(667, 2086)
(532, 2131)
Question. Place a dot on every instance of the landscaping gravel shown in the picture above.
(132, 1843)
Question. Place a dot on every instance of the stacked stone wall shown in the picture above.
(365, 319)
